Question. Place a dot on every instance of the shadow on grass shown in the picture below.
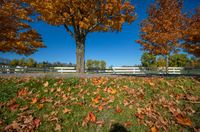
(118, 128)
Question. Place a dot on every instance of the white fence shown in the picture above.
(113, 70)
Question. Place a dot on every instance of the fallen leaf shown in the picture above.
(24, 108)
(36, 122)
(153, 129)
(40, 106)
(14, 125)
(92, 117)
(66, 110)
(96, 99)
(22, 92)
(112, 91)
(46, 84)
(118, 109)
(100, 108)
(58, 127)
(100, 123)
(183, 120)
(127, 124)
(34, 100)
(13, 107)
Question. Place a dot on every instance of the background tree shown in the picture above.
(89, 64)
(80, 17)
(16, 35)
(22, 62)
(31, 62)
(178, 60)
(148, 60)
(14, 62)
(102, 65)
(192, 34)
(161, 31)
(160, 62)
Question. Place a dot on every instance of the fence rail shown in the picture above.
(113, 70)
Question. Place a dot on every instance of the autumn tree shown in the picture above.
(16, 35)
(80, 17)
(162, 30)
(192, 34)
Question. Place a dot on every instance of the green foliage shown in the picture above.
(14, 62)
(96, 65)
(148, 60)
(160, 62)
(31, 62)
(178, 60)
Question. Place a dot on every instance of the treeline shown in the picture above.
(175, 60)
(96, 64)
(32, 63)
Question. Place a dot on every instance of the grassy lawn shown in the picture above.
(100, 104)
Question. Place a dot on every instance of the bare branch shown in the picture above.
(69, 31)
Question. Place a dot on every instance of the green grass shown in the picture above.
(144, 103)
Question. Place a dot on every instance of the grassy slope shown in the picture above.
(95, 104)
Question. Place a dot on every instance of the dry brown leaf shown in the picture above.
(66, 110)
(183, 120)
(58, 127)
(24, 108)
(40, 106)
(127, 124)
(46, 84)
(100, 123)
(13, 107)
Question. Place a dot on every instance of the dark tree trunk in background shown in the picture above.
(167, 63)
(80, 54)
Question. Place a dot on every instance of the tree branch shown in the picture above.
(69, 31)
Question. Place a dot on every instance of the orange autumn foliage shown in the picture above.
(16, 35)
(162, 30)
(192, 34)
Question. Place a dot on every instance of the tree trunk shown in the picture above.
(80, 55)
(167, 63)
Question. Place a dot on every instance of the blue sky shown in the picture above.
(116, 48)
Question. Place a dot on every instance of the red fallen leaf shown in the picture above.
(13, 107)
(118, 109)
(100, 108)
(34, 100)
(96, 99)
(153, 129)
(36, 122)
(127, 124)
(140, 116)
(183, 120)
(22, 92)
(92, 117)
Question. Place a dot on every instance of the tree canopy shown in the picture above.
(16, 35)
(192, 34)
(162, 30)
